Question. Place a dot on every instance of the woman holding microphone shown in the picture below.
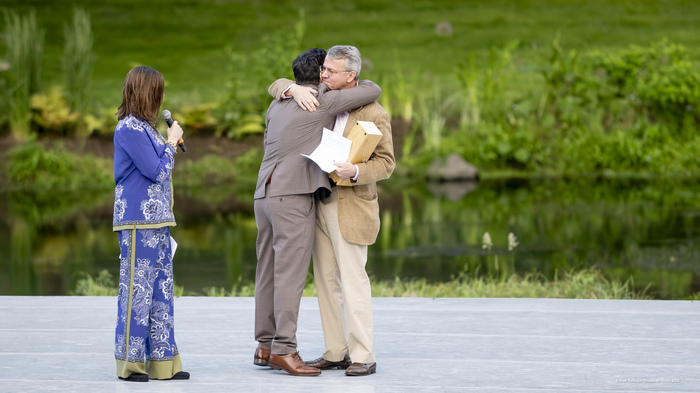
(143, 202)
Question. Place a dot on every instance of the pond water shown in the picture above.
(645, 229)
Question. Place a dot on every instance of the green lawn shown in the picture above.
(186, 40)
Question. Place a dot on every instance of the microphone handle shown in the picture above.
(181, 142)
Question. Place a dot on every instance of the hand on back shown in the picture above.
(304, 96)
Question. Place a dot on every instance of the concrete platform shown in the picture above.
(65, 344)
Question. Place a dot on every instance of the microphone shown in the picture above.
(169, 120)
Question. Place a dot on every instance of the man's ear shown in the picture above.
(351, 76)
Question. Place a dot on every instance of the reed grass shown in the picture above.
(433, 110)
(25, 49)
(583, 284)
(78, 62)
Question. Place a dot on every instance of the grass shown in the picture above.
(584, 284)
(186, 40)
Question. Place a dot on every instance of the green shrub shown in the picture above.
(250, 74)
(31, 165)
(51, 113)
(659, 82)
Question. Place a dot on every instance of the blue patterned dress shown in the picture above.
(143, 201)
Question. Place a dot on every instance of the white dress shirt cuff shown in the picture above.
(284, 93)
(356, 174)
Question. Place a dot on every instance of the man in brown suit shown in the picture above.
(285, 210)
(346, 224)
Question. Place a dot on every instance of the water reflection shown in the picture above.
(644, 229)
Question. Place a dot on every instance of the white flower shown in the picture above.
(486, 243)
(443, 29)
(512, 241)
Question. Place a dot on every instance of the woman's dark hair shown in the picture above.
(142, 94)
(307, 66)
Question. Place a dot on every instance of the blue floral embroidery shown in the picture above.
(124, 273)
(120, 348)
(166, 287)
(157, 206)
(134, 123)
(137, 347)
(161, 326)
(119, 204)
(143, 291)
(150, 238)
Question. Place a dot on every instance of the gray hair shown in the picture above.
(352, 56)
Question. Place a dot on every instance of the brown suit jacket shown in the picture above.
(291, 131)
(358, 207)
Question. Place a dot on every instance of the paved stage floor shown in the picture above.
(65, 344)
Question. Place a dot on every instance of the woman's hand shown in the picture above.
(174, 133)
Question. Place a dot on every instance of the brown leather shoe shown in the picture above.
(293, 364)
(261, 357)
(357, 369)
(323, 364)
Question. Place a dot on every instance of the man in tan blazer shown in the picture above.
(346, 224)
(285, 210)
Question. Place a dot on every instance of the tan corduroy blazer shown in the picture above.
(358, 207)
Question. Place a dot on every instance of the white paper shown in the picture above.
(333, 148)
(173, 247)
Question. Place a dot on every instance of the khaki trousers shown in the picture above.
(343, 289)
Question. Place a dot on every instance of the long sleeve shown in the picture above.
(143, 166)
(152, 158)
(381, 163)
(339, 101)
(278, 87)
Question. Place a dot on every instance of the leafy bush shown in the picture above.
(250, 74)
(51, 113)
(658, 82)
(196, 117)
(635, 110)
(30, 165)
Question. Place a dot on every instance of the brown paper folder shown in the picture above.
(364, 136)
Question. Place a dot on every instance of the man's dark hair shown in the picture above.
(307, 66)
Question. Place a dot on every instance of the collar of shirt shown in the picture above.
(341, 120)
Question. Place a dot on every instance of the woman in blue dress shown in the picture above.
(143, 202)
